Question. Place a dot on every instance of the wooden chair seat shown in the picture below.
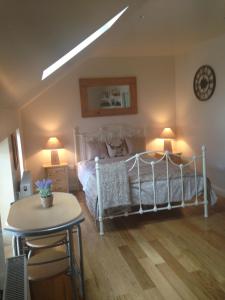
(47, 263)
(44, 241)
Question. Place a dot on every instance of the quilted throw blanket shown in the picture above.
(114, 185)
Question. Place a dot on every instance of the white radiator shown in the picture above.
(2, 264)
(16, 285)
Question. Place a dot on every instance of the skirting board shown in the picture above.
(219, 191)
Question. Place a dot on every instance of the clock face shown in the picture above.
(204, 83)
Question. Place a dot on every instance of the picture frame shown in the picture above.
(15, 151)
(108, 96)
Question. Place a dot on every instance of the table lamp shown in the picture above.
(54, 144)
(167, 134)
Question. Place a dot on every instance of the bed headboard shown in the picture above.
(103, 133)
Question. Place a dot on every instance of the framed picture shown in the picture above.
(108, 96)
(14, 150)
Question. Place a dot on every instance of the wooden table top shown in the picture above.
(27, 215)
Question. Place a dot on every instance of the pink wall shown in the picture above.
(57, 111)
(8, 122)
(203, 122)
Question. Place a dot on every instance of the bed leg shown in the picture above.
(206, 210)
(100, 205)
(204, 182)
(101, 226)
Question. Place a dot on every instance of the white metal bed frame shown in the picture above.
(141, 210)
(80, 154)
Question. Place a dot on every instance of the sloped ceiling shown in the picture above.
(35, 34)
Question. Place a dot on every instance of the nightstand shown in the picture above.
(59, 176)
(175, 157)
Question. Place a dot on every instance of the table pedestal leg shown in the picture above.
(14, 246)
(19, 246)
(81, 262)
(71, 260)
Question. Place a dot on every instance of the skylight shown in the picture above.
(90, 39)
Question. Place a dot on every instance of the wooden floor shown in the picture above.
(168, 255)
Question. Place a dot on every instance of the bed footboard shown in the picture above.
(140, 158)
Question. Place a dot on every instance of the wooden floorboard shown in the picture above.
(168, 255)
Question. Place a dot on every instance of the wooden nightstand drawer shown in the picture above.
(57, 171)
(59, 188)
(59, 176)
(62, 180)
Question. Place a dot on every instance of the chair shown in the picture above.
(46, 259)
(47, 263)
(43, 253)
(45, 241)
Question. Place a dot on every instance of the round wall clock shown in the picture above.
(204, 83)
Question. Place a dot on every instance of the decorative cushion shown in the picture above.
(135, 144)
(96, 148)
(116, 147)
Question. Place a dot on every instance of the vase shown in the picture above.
(47, 201)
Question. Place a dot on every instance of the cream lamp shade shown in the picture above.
(54, 144)
(167, 134)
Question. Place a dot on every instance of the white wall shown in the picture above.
(7, 194)
(203, 122)
(2, 260)
(8, 122)
(57, 110)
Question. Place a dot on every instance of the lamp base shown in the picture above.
(168, 145)
(55, 157)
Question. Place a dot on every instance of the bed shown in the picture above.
(135, 181)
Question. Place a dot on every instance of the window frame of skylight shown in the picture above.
(85, 43)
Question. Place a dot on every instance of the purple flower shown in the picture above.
(43, 184)
(48, 182)
(44, 187)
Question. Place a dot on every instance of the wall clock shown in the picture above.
(204, 83)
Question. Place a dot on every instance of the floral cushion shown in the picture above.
(116, 147)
